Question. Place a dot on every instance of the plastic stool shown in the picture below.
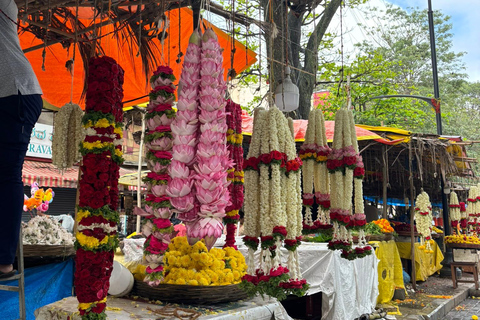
(20, 288)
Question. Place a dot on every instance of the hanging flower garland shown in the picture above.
(158, 139)
(235, 174)
(314, 153)
(463, 217)
(96, 236)
(184, 131)
(67, 136)
(423, 218)
(212, 157)
(473, 213)
(274, 213)
(454, 206)
(347, 170)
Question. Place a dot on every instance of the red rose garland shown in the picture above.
(157, 227)
(235, 174)
(96, 237)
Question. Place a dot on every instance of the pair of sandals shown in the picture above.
(5, 275)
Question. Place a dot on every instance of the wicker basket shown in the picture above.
(381, 237)
(43, 250)
(189, 294)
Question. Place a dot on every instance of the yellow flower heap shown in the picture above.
(196, 266)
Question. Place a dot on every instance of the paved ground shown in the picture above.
(465, 310)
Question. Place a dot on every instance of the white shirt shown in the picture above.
(16, 73)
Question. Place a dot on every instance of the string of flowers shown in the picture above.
(68, 134)
(274, 168)
(314, 152)
(473, 209)
(184, 131)
(423, 218)
(96, 237)
(157, 227)
(454, 206)
(347, 170)
(235, 174)
(463, 217)
(212, 157)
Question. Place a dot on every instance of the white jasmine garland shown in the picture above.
(46, 231)
(424, 222)
(455, 211)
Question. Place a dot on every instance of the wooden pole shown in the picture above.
(385, 180)
(139, 176)
(412, 213)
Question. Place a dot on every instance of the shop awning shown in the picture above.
(46, 175)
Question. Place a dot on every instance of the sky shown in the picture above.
(464, 14)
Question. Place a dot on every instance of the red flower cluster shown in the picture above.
(463, 223)
(454, 206)
(358, 252)
(293, 284)
(339, 245)
(251, 242)
(267, 242)
(292, 244)
(279, 231)
(234, 123)
(260, 276)
(316, 227)
(99, 183)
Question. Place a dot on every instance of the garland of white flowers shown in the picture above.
(423, 218)
(68, 133)
(455, 215)
(321, 176)
(308, 157)
(472, 210)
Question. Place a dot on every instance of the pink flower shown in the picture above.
(183, 204)
(214, 149)
(147, 228)
(215, 127)
(156, 166)
(187, 94)
(208, 136)
(179, 187)
(160, 82)
(160, 144)
(209, 68)
(178, 169)
(188, 116)
(205, 196)
(183, 153)
(182, 128)
(163, 213)
(159, 190)
(189, 215)
(208, 165)
(189, 140)
(211, 209)
(208, 184)
(208, 229)
(212, 116)
(187, 105)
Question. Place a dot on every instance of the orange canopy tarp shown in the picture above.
(56, 81)
(300, 127)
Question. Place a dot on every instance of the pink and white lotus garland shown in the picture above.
(199, 186)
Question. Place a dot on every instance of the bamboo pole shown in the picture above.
(412, 213)
(385, 180)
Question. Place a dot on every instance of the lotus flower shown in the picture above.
(178, 169)
(214, 127)
(186, 140)
(208, 136)
(140, 212)
(163, 100)
(159, 190)
(208, 196)
(159, 82)
(209, 68)
(153, 260)
(183, 153)
(188, 116)
(155, 166)
(188, 216)
(209, 229)
(163, 213)
(208, 165)
(160, 144)
(187, 105)
(183, 204)
(179, 187)
(212, 116)
(149, 209)
(182, 128)
(147, 228)
(210, 209)
(165, 237)
(210, 150)
(208, 184)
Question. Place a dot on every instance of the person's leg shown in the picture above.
(18, 116)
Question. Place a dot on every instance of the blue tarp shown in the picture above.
(43, 285)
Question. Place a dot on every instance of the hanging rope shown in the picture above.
(247, 30)
(45, 39)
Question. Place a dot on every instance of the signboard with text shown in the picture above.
(41, 141)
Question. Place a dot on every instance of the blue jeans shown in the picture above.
(18, 114)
